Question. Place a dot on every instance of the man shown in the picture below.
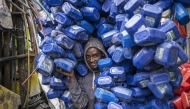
(82, 91)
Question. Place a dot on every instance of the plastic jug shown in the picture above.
(104, 28)
(75, 32)
(87, 26)
(139, 92)
(81, 69)
(119, 19)
(53, 93)
(61, 18)
(118, 74)
(98, 23)
(55, 10)
(118, 55)
(136, 23)
(152, 65)
(56, 83)
(66, 96)
(152, 15)
(128, 53)
(71, 55)
(39, 57)
(116, 39)
(55, 2)
(100, 105)
(90, 13)
(149, 37)
(159, 76)
(140, 79)
(45, 80)
(154, 104)
(104, 82)
(106, 38)
(53, 50)
(45, 66)
(46, 40)
(93, 3)
(181, 13)
(127, 39)
(77, 3)
(176, 78)
(113, 105)
(78, 49)
(133, 7)
(106, 6)
(64, 41)
(144, 57)
(47, 32)
(111, 50)
(71, 11)
(113, 13)
(164, 4)
(124, 94)
(120, 4)
(105, 95)
(171, 30)
(64, 64)
(105, 64)
(167, 53)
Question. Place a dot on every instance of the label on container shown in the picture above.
(173, 79)
(170, 35)
(159, 52)
(104, 80)
(150, 20)
(162, 88)
(142, 28)
(66, 94)
(137, 10)
(75, 27)
(178, 60)
(57, 80)
(47, 64)
(143, 84)
(172, 74)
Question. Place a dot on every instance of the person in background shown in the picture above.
(82, 89)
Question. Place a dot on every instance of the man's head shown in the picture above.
(93, 55)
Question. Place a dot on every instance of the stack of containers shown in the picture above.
(142, 68)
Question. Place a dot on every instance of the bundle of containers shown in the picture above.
(142, 68)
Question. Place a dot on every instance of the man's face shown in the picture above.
(93, 55)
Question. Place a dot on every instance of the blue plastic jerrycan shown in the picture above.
(152, 15)
(180, 13)
(81, 69)
(171, 30)
(77, 3)
(75, 32)
(139, 92)
(55, 2)
(45, 65)
(144, 57)
(164, 4)
(128, 52)
(113, 105)
(122, 84)
(64, 41)
(159, 76)
(106, 38)
(100, 105)
(119, 19)
(104, 81)
(111, 50)
(124, 94)
(47, 32)
(152, 65)
(105, 95)
(71, 11)
(149, 37)
(56, 83)
(55, 10)
(106, 6)
(176, 77)
(78, 50)
(113, 13)
(90, 13)
(125, 105)
(46, 40)
(94, 3)
(118, 55)
(39, 57)
(61, 18)
(127, 39)
(45, 80)
(133, 7)
(71, 55)
(104, 28)
(159, 90)
(105, 64)
(49, 22)
(140, 79)
(118, 74)
(64, 64)
(53, 50)
(54, 93)
(116, 39)
(45, 5)
(56, 32)
(66, 96)
(154, 104)
(136, 23)
(120, 4)
(87, 26)
(167, 53)
(98, 23)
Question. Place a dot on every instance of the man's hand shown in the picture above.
(71, 74)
